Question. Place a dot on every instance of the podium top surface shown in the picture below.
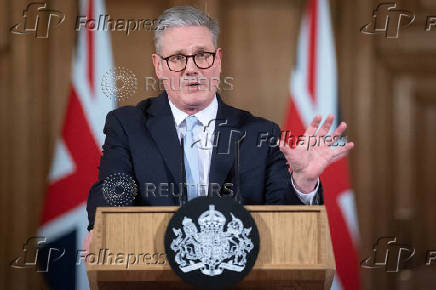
(250, 208)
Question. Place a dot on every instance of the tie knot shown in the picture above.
(191, 121)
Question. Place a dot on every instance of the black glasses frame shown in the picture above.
(187, 59)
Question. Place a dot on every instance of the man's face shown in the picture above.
(193, 88)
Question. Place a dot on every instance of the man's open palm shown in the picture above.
(309, 158)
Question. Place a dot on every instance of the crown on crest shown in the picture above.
(211, 220)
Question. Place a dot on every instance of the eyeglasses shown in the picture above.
(202, 60)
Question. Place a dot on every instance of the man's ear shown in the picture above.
(157, 65)
(218, 57)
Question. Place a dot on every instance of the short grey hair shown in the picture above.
(184, 16)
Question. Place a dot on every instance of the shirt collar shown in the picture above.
(204, 116)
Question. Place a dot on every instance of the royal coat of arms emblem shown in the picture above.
(216, 247)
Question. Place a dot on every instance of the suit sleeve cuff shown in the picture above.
(306, 198)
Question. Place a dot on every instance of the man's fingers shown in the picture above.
(313, 127)
(325, 128)
(340, 129)
(284, 147)
(281, 141)
(336, 134)
(342, 151)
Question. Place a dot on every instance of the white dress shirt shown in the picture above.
(204, 132)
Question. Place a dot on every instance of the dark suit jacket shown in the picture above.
(142, 141)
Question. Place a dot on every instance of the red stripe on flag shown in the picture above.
(312, 61)
(72, 190)
(335, 181)
(90, 42)
(293, 122)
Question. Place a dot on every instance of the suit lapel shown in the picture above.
(227, 133)
(162, 128)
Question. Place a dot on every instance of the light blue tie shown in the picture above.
(191, 158)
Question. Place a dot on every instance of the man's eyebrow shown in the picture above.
(196, 49)
(179, 51)
(200, 48)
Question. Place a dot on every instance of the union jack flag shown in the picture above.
(77, 152)
(313, 91)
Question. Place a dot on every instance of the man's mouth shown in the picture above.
(194, 84)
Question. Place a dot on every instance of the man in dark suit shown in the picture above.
(188, 135)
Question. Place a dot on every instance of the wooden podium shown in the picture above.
(295, 249)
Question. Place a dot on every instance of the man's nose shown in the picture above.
(191, 67)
